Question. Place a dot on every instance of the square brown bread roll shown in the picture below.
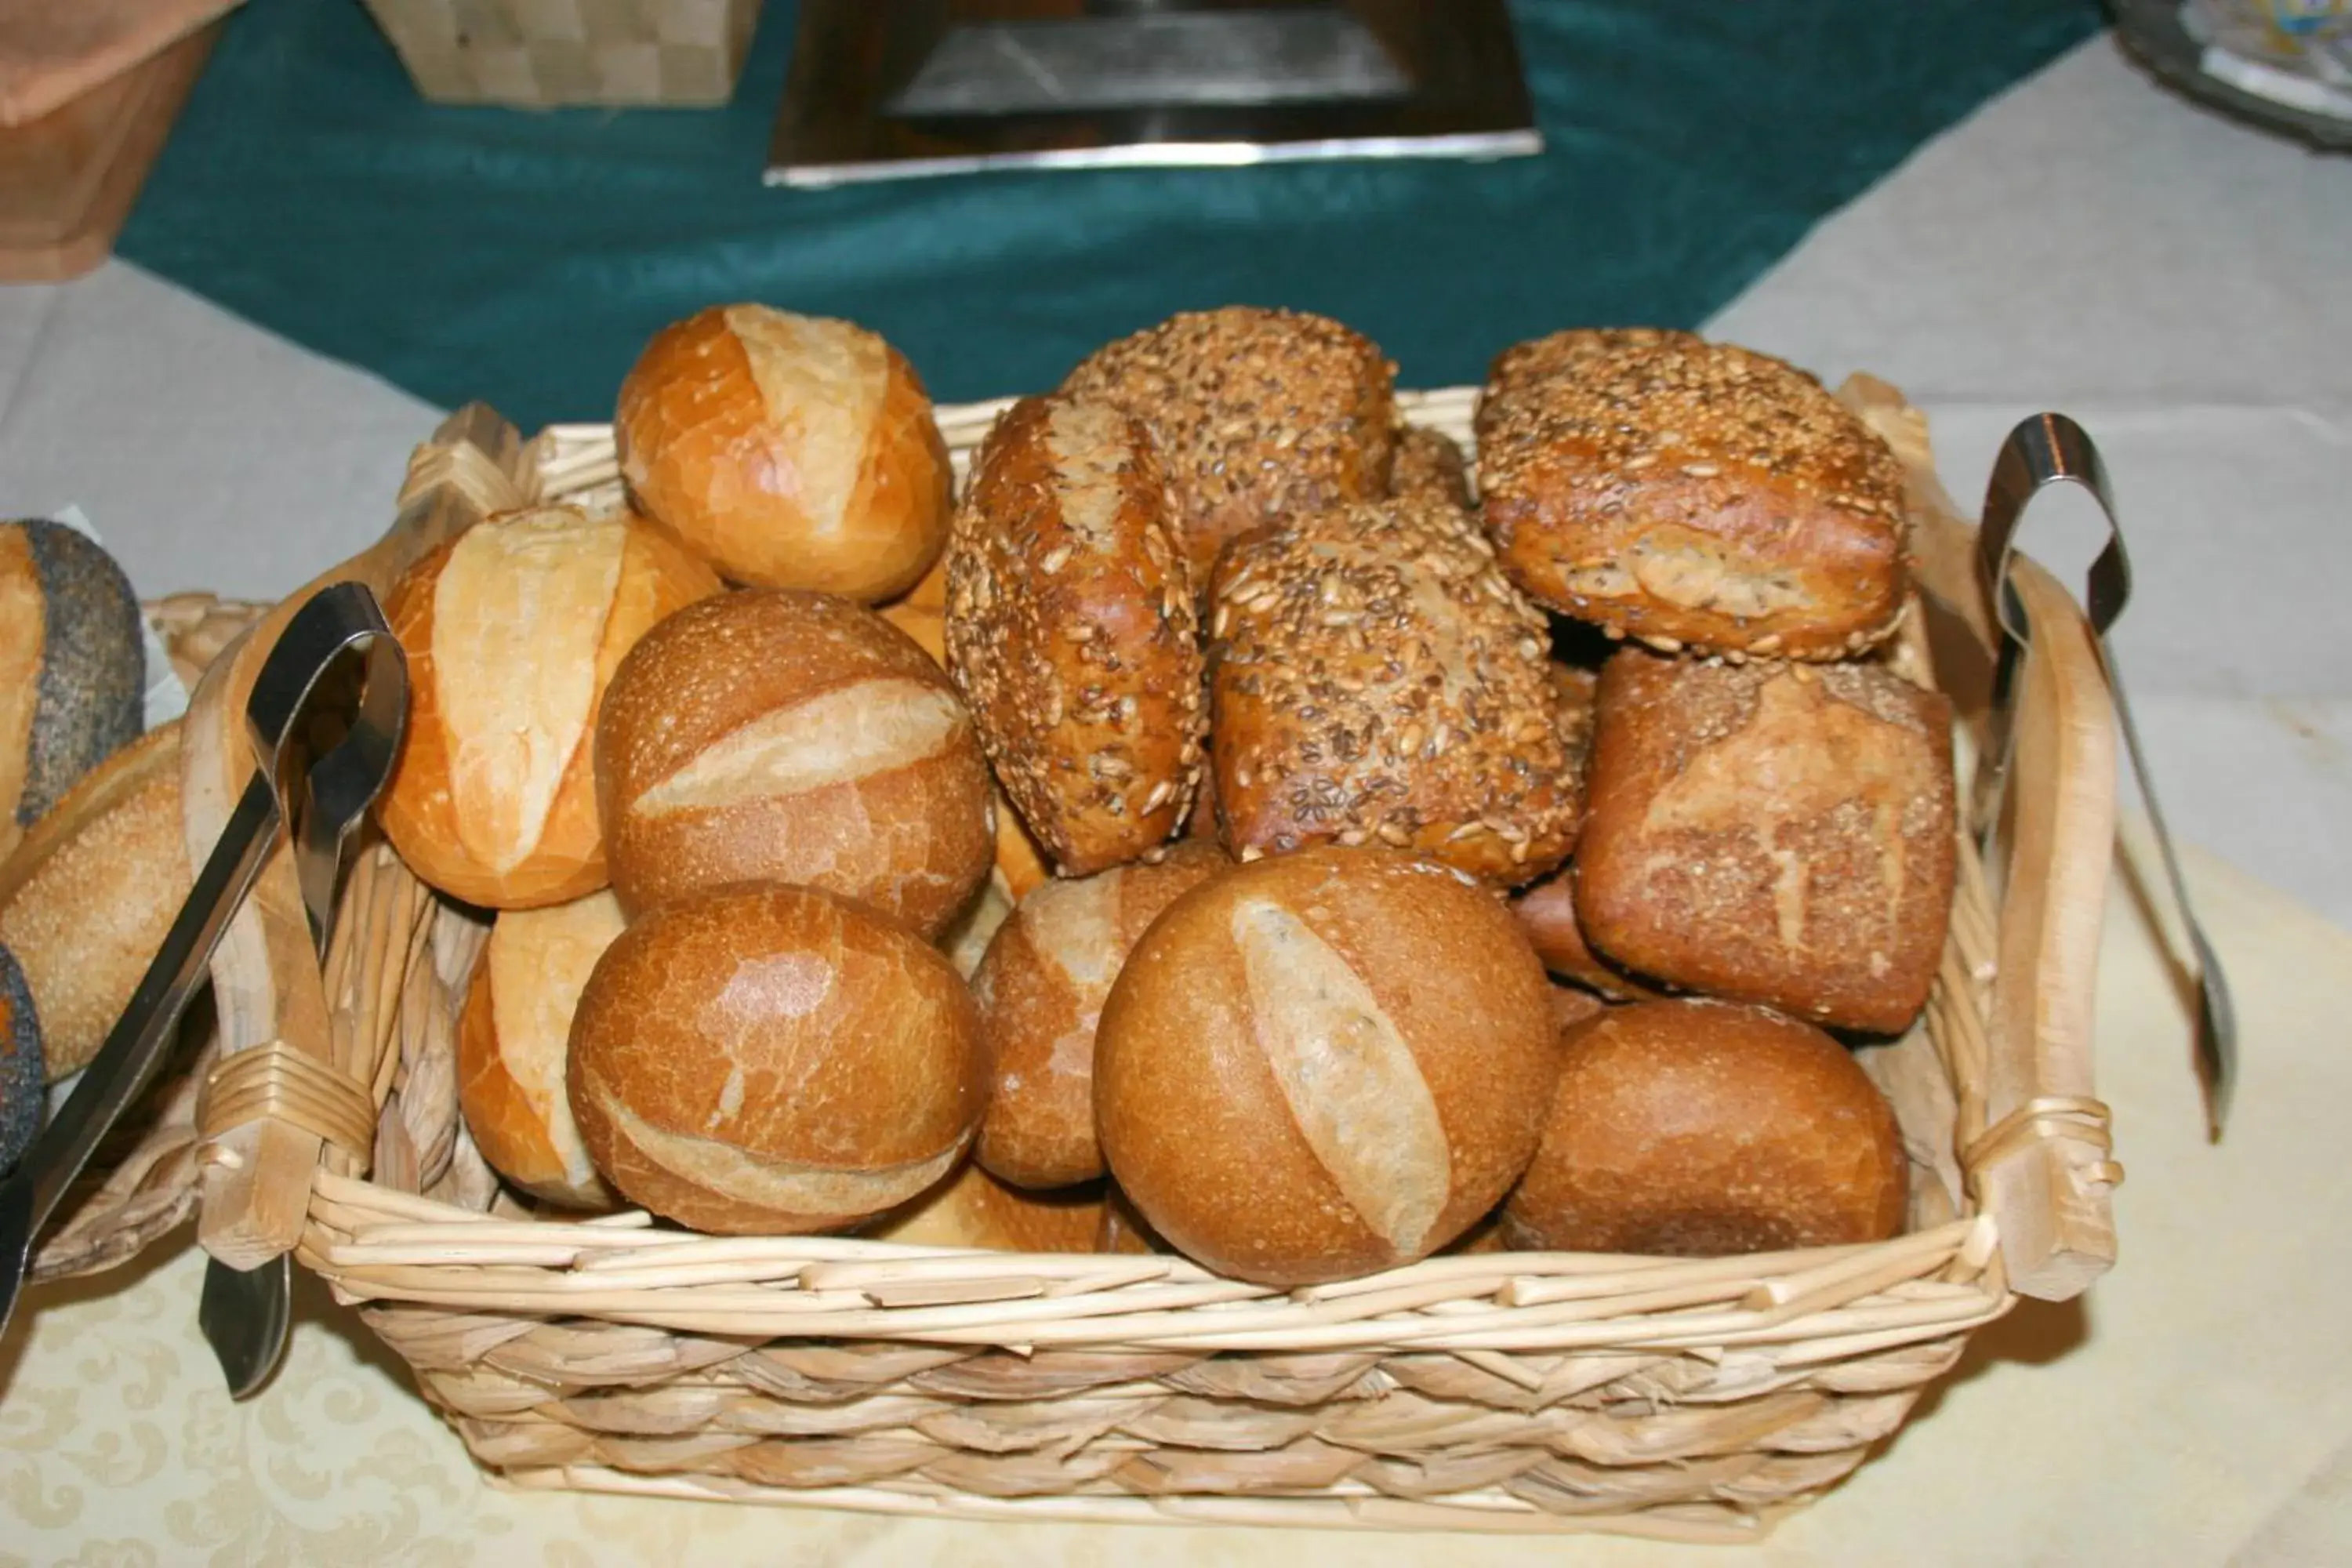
(1690, 494)
(1772, 833)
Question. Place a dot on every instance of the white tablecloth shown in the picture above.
(2085, 243)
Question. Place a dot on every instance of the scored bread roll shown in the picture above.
(797, 737)
(1374, 679)
(1259, 416)
(512, 631)
(514, 1041)
(922, 614)
(1693, 495)
(1697, 1128)
(972, 1208)
(1777, 833)
(764, 1058)
(87, 896)
(72, 667)
(1072, 634)
(794, 451)
(1324, 1064)
(1041, 990)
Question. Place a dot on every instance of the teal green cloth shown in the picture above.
(524, 257)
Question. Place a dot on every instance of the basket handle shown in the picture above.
(2039, 1164)
(267, 986)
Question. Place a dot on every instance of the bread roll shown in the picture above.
(1122, 1229)
(87, 897)
(1430, 468)
(73, 669)
(796, 737)
(1374, 679)
(1572, 1007)
(972, 1208)
(794, 451)
(772, 1059)
(1690, 494)
(1260, 416)
(1777, 833)
(514, 1040)
(512, 631)
(1323, 1064)
(1041, 990)
(1547, 912)
(922, 615)
(24, 1076)
(1071, 631)
(1699, 1127)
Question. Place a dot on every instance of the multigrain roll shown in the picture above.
(793, 451)
(1700, 1128)
(72, 667)
(1776, 833)
(797, 737)
(1041, 990)
(769, 1059)
(23, 1074)
(1323, 1064)
(922, 614)
(87, 897)
(1260, 416)
(514, 1043)
(972, 1208)
(1430, 466)
(1694, 495)
(512, 632)
(1374, 679)
(1071, 631)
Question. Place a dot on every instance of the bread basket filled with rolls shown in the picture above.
(1222, 943)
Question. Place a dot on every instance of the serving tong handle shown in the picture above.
(2051, 449)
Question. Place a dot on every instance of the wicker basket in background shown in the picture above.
(543, 54)
(1694, 1399)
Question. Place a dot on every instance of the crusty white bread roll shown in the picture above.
(1694, 495)
(1696, 1128)
(72, 667)
(922, 614)
(1041, 991)
(514, 1040)
(87, 897)
(512, 631)
(1072, 633)
(972, 1208)
(1373, 679)
(1324, 1064)
(797, 737)
(794, 451)
(764, 1058)
(1259, 415)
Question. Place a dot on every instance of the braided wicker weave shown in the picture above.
(1499, 1391)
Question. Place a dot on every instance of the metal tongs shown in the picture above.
(245, 1315)
(2045, 450)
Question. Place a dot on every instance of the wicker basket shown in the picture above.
(1515, 1393)
(542, 54)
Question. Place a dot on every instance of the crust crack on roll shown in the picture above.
(1694, 495)
(1071, 631)
(1374, 678)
